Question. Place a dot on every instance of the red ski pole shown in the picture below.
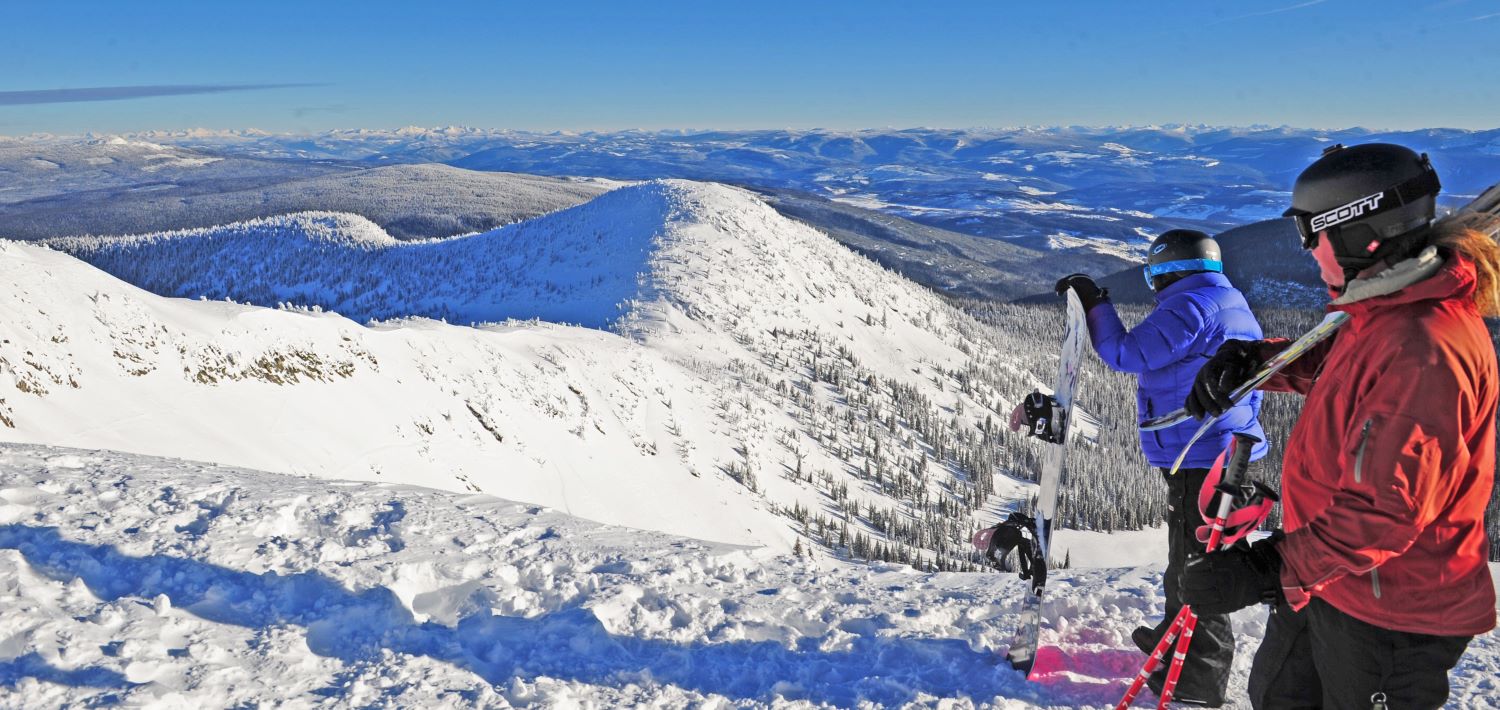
(1179, 656)
(1155, 659)
(1186, 621)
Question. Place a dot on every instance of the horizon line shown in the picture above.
(251, 131)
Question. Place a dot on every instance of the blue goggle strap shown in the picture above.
(1153, 270)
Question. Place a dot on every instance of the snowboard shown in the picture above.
(1023, 648)
(1318, 334)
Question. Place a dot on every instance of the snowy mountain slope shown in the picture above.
(576, 419)
(139, 581)
(295, 591)
(653, 260)
(862, 410)
(576, 266)
(952, 263)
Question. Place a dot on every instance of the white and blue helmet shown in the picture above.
(1179, 252)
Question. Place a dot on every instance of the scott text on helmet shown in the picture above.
(1344, 213)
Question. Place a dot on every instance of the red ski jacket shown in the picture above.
(1389, 468)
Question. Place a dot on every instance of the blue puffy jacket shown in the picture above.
(1193, 317)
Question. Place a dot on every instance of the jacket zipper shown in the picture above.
(1359, 457)
(1359, 465)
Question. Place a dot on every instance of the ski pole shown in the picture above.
(1155, 659)
(1233, 474)
(1179, 657)
(1186, 621)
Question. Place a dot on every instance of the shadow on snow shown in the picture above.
(569, 644)
(32, 665)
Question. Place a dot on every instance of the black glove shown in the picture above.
(1089, 292)
(1229, 368)
(1227, 581)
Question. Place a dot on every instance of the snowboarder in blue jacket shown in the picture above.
(1197, 309)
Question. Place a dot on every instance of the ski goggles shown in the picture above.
(1154, 270)
(1309, 224)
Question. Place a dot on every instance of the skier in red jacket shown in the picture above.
(1380, 579)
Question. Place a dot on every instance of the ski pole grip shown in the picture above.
(1239, 459)
(1234, 474)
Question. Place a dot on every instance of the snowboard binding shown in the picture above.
(1017, 532)
(1041, 415)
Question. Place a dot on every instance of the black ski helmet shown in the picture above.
(1365, 199)
(1179, 252)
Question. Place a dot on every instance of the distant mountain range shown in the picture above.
(994, 214)
(66, 187)
(1008, 183)
(1097, 193)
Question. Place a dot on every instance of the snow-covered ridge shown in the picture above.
(574, 266)
(315, 228)
(774, 387)
(577, 419)
(658, 258)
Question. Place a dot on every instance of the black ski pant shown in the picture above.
(1321, 657)
(1205, 673)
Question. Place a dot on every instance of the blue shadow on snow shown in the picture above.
(570, 644)
(32, 665)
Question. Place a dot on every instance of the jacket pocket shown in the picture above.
(1156, 439)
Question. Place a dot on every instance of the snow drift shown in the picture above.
(138, 581)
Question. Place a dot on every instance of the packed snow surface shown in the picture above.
(142, 581)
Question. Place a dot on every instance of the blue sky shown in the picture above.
(730, 64)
